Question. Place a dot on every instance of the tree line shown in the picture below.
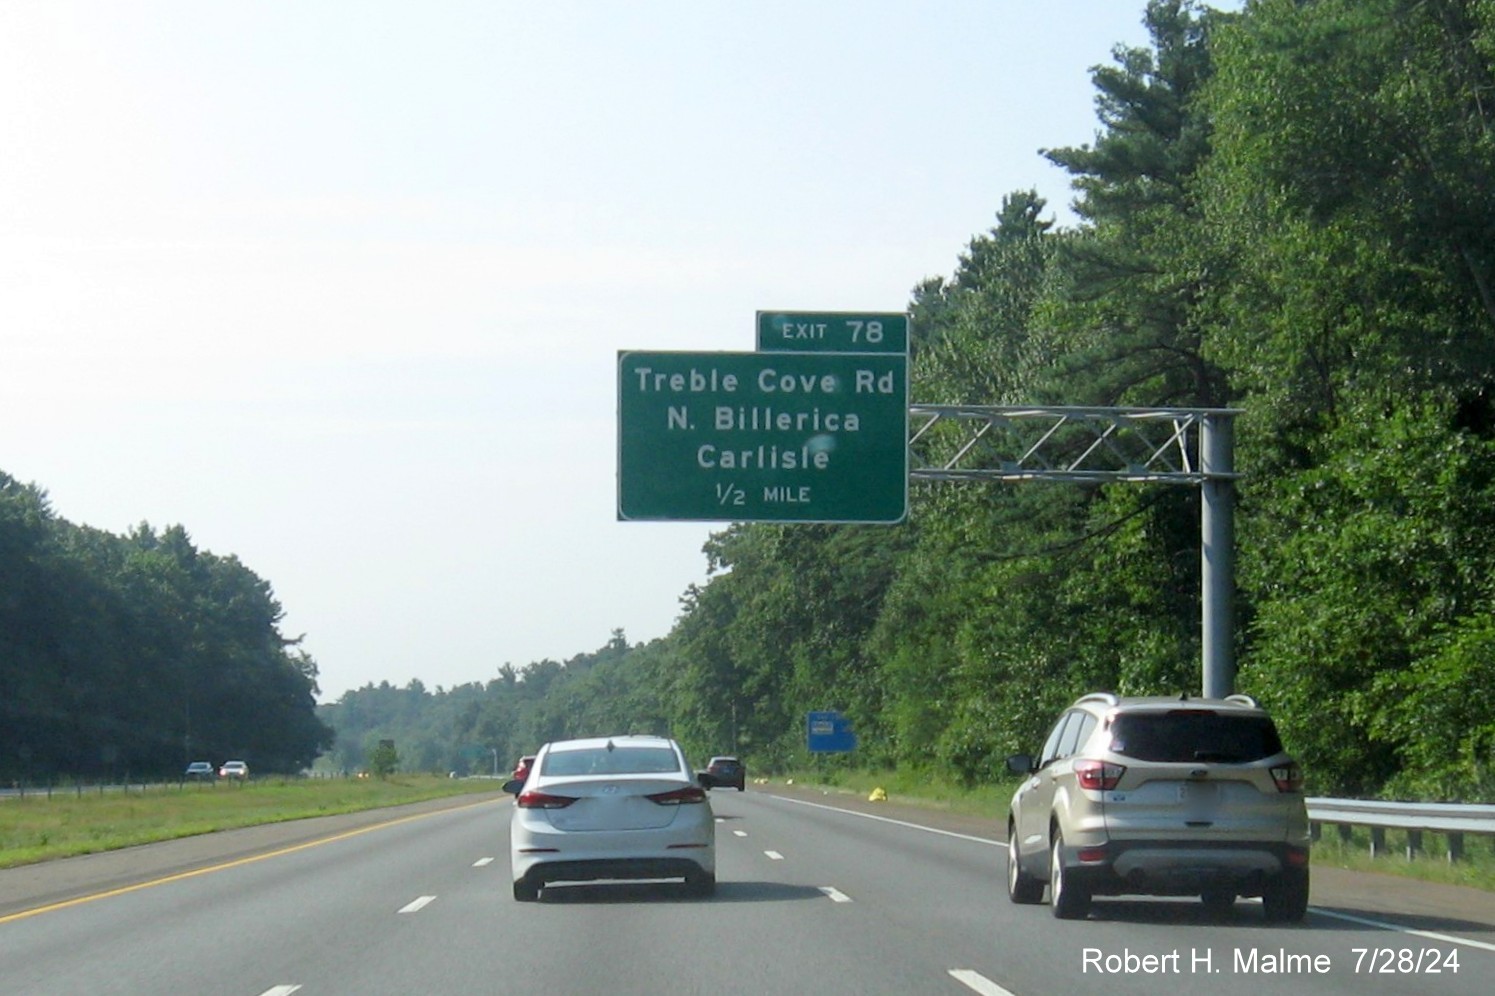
(1285, 209)
(133, 655)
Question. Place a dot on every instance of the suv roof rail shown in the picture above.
(1242, 699)
(1109, 698)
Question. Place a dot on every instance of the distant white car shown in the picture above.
(611, 808)
(233, 769)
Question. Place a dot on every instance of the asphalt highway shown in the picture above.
(823, 894)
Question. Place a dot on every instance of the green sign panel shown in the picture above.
(832, 332)
(762, 437)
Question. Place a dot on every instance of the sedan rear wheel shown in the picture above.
(701, 884)
(526, 891)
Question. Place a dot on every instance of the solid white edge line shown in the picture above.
(1384, 925)
(835, 895)
(419, 904)
(977, 982)
(899, 823)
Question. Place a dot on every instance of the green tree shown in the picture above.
(384, 760)
(1348, 139)
(1138, 273)
(135, 654)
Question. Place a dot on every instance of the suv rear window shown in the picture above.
(1194, 735)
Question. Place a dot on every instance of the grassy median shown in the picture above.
(64, 822)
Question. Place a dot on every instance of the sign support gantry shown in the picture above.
(1080, 445)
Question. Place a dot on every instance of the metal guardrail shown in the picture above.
(1416, 818)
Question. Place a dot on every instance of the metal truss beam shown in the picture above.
(1078, 445)
(1059, 443)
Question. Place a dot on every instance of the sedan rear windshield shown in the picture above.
(1194, 735)
(617, 761)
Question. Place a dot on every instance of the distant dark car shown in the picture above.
(727, 772)
(199, 769)
(521, 770)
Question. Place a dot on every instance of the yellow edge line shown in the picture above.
(80, 900)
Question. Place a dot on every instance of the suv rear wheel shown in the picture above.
(1021, 887)
(1285, 897)
(1070, 900)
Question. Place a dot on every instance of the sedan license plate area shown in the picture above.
(612, 811)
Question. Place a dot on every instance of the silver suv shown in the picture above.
(1162, 797)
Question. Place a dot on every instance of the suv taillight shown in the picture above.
(1098, 776)
(539, 800)
(679, 797)
(1289, 777)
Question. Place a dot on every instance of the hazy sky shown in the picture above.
(339, 287)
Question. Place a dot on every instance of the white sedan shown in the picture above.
(611, 808)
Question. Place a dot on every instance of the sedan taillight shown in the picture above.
(1098, 776)
(679, 797)
(1289, 778)
(540, 800)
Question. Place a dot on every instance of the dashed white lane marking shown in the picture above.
(774, 856)
(480, 862)
(739, 833)
(977, 982)
(835, 895)
(235, 863)
(280, 991)
(418, 904)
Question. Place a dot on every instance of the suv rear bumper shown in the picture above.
(1179, 868)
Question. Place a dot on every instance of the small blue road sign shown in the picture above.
(829, 733)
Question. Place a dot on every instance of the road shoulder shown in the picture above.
(1408, 903)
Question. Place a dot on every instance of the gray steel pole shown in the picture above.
(1217, 532)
